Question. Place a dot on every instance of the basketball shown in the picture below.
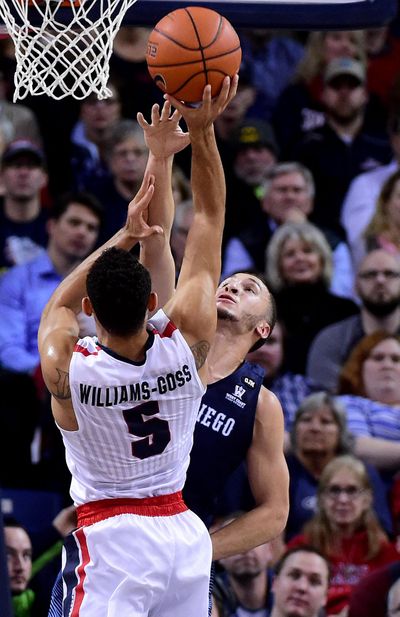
(190, 48)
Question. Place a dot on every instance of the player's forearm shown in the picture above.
(256, 527)
(207, 177)
(73, 288)
(162, 207)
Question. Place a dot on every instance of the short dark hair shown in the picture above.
(119, 288)
(271, 313)
(10, 521)
(305, 548)
(83, 198)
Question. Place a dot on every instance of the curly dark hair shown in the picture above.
(119, 287)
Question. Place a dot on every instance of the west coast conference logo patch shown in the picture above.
(237, 396)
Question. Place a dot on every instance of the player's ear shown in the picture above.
(87, 307)
(263, 329)
(152, 302)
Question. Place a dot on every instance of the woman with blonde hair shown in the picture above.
(346, 530)
(299, 107)
(383, 230)
(299, 271)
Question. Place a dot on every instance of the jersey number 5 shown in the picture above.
(155, 431)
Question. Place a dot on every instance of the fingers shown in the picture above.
(166, 110)
(141, 120)
(155, 114)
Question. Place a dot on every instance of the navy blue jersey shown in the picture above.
(222, 437)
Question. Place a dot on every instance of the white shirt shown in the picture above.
(136, 420)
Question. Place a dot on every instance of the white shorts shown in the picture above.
(133, 565)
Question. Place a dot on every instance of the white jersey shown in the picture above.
(136, 420)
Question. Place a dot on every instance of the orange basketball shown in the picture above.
(190, 48)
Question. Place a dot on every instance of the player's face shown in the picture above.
(317, 432)
(19, 558)
(381, 372)
(301, 586)
(286, 192)
(300, 262)
(242, 298)
(75, 233)
(344, 500)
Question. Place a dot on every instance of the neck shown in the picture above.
(349, 129)
(63, 264)
(97, 136)
(227, 352)
(314, 462)
(390, 323)
(251, 592)
(21, 210)
(131, 347)
(224, 127)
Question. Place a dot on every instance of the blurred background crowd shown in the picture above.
(311, 152)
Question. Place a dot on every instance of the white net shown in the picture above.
(63, 47)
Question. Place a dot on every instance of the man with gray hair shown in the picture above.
(288, 197)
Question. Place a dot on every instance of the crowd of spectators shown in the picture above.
(311, 149)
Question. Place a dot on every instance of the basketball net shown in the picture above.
(63, 57)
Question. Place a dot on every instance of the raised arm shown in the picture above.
(269, 481)
(193, 307)
(164, 138)
(59, 330)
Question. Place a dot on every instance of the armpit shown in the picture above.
(200, 352)
(60, 389)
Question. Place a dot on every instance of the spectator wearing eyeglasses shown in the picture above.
(319, 434)
(345, 146)
(370, 385)
(378, 288)
(345, 530)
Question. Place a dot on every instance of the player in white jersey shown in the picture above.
(126, 403)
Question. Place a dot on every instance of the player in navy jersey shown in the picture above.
(238, 418)
(126, 402)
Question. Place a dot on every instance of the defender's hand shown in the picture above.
(164, 137)
(203, 116)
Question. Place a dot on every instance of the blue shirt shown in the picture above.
(24, 292)
(366, 418)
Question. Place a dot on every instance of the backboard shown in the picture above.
(283, 14)
(274, 14)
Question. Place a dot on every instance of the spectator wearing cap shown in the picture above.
(362, 195)
(343, 148)
(255, 151)
(288, 196)
(22, 221)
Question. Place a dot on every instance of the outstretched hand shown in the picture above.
(164, 137)
(136, 223)
(203, 116)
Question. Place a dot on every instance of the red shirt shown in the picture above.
(349, 566)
